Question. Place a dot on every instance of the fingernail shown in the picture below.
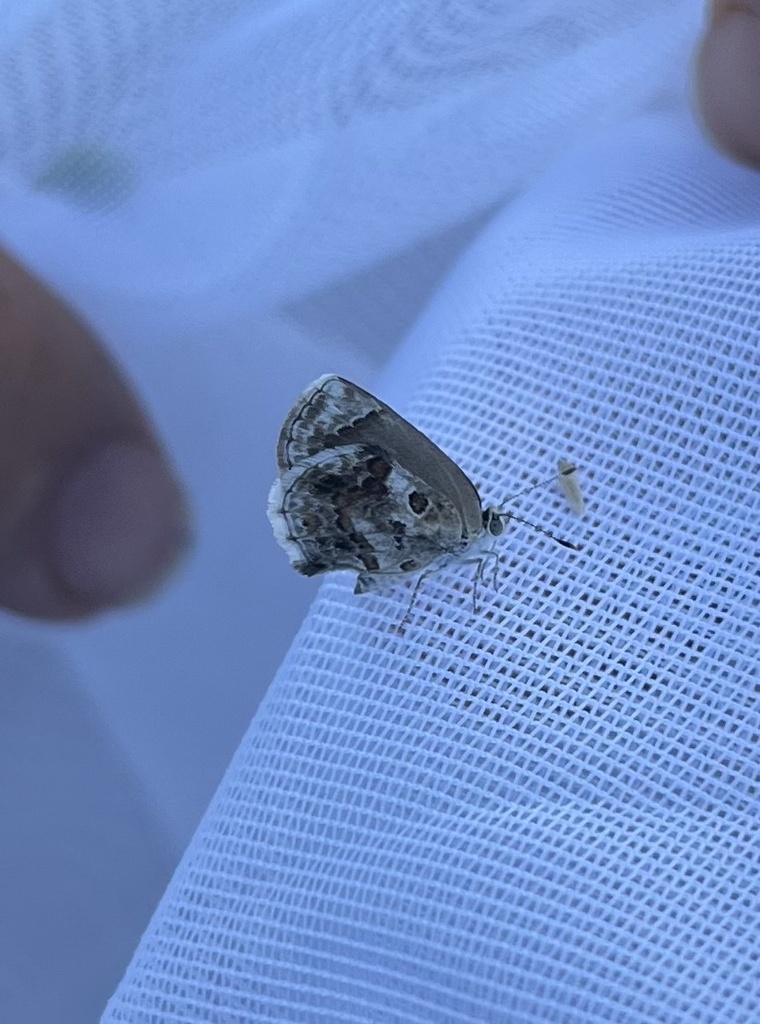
(119, 525)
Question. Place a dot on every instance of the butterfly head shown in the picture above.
(493, 521)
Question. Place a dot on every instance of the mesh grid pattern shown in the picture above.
(544, 809)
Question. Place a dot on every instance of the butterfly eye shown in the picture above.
(492, 522)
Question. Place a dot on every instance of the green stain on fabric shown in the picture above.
(90, 176)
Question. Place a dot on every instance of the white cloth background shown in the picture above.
(540, 812)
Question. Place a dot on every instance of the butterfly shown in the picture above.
(362, 489)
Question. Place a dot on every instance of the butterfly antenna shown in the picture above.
(567, 471)
(510, 516)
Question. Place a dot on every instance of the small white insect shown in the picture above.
(361, 489)
(567, 475)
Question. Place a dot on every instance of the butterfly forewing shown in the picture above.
(323, 417)
(333, 413)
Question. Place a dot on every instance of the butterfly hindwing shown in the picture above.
(353, 507)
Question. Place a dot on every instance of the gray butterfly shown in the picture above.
(361, 489)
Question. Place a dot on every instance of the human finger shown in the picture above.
(91, 515)
(728, 78)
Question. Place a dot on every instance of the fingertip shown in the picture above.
(728, 79)
(92, 516)
(113, 529)
(118, 525)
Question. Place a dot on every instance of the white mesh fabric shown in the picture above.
(267, 149)
(545, 809)
(539, 811)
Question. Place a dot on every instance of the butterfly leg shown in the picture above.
(408, 613)
(479, 576)
(370, 581)
(364, 583)
(495, 557)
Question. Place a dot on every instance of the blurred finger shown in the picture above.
(90, 514)
(728, 79)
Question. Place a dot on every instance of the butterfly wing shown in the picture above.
(353, 507)
(324, 417)
(333, 413)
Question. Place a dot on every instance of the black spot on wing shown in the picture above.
(417, 502)
(371, 485)
(378, 467)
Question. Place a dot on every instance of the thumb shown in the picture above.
(90, 514)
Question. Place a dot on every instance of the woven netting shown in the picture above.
(532, 805)
(541, 806)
